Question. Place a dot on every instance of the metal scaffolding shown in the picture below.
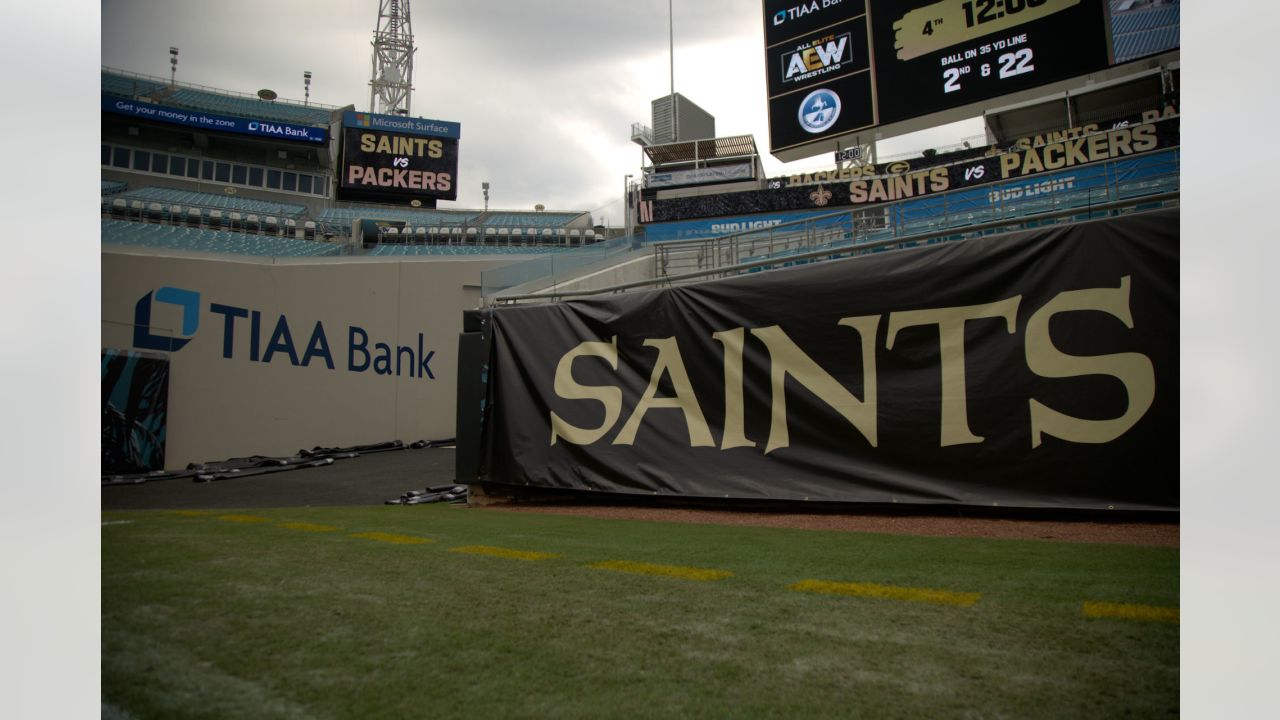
(391, 85)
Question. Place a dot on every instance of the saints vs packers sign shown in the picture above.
(1036, 369)
(386, 158)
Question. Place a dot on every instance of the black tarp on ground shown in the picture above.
(1034, 369)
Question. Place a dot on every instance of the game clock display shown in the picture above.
(841, 66)
(931, 56)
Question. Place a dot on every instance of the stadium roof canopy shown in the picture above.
(734, 147)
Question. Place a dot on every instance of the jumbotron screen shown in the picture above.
(387, 158)
(840, 66)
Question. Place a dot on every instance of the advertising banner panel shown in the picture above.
(210, 122)
(1036, 369)
(698, 176)
(895, 182)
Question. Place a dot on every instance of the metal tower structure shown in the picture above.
(391, 86)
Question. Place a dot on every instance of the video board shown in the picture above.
(387, 158)
(835, 67)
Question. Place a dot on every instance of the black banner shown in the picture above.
(1034, 369)
(891, 182)
(135, 411)
(385, 166)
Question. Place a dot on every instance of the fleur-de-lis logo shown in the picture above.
(820, 196)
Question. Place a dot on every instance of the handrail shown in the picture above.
(831, 252)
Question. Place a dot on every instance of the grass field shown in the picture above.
(438, 611)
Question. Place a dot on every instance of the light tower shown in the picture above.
(392, 82)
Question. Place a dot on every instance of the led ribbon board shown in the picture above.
(212, 122)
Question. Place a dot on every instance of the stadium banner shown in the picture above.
(387, 158)
(727, 173)
(1036, 369)
(211, 122)
(858, 187)
(135, 410)
(696, 229)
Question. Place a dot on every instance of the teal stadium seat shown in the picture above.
(178, 237)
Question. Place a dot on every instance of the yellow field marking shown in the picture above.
(888, 592)
(244, 518)
(679, 571)
(309, 527)
(503, 552)
(1127, 611)
(393, 538)
(191, 513)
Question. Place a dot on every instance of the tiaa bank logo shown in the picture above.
(819, 110)
(143, 335)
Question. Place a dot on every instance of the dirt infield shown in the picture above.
(1153, 534)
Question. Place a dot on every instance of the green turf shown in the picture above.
(202, 617)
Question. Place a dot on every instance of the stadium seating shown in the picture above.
(211, 201)
(1139, 32)
(244, 106)
(454, 250)
(528, 220)
(111, 187)
(127, 86)
(342, 217)
(179, 237)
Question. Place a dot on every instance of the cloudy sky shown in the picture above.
(546, 90)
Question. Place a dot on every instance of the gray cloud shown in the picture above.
(545, 90)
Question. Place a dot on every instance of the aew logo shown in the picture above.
(816, 58)
(188, 300)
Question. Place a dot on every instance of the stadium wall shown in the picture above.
(271, 357)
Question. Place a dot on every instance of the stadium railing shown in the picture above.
(957, 211)
(211, 201)
(554, 267)
(527, 220)
(339, 220)
(1133, 204)
(211, 99)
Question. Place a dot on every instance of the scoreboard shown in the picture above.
(388, 158)
(836, 67)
